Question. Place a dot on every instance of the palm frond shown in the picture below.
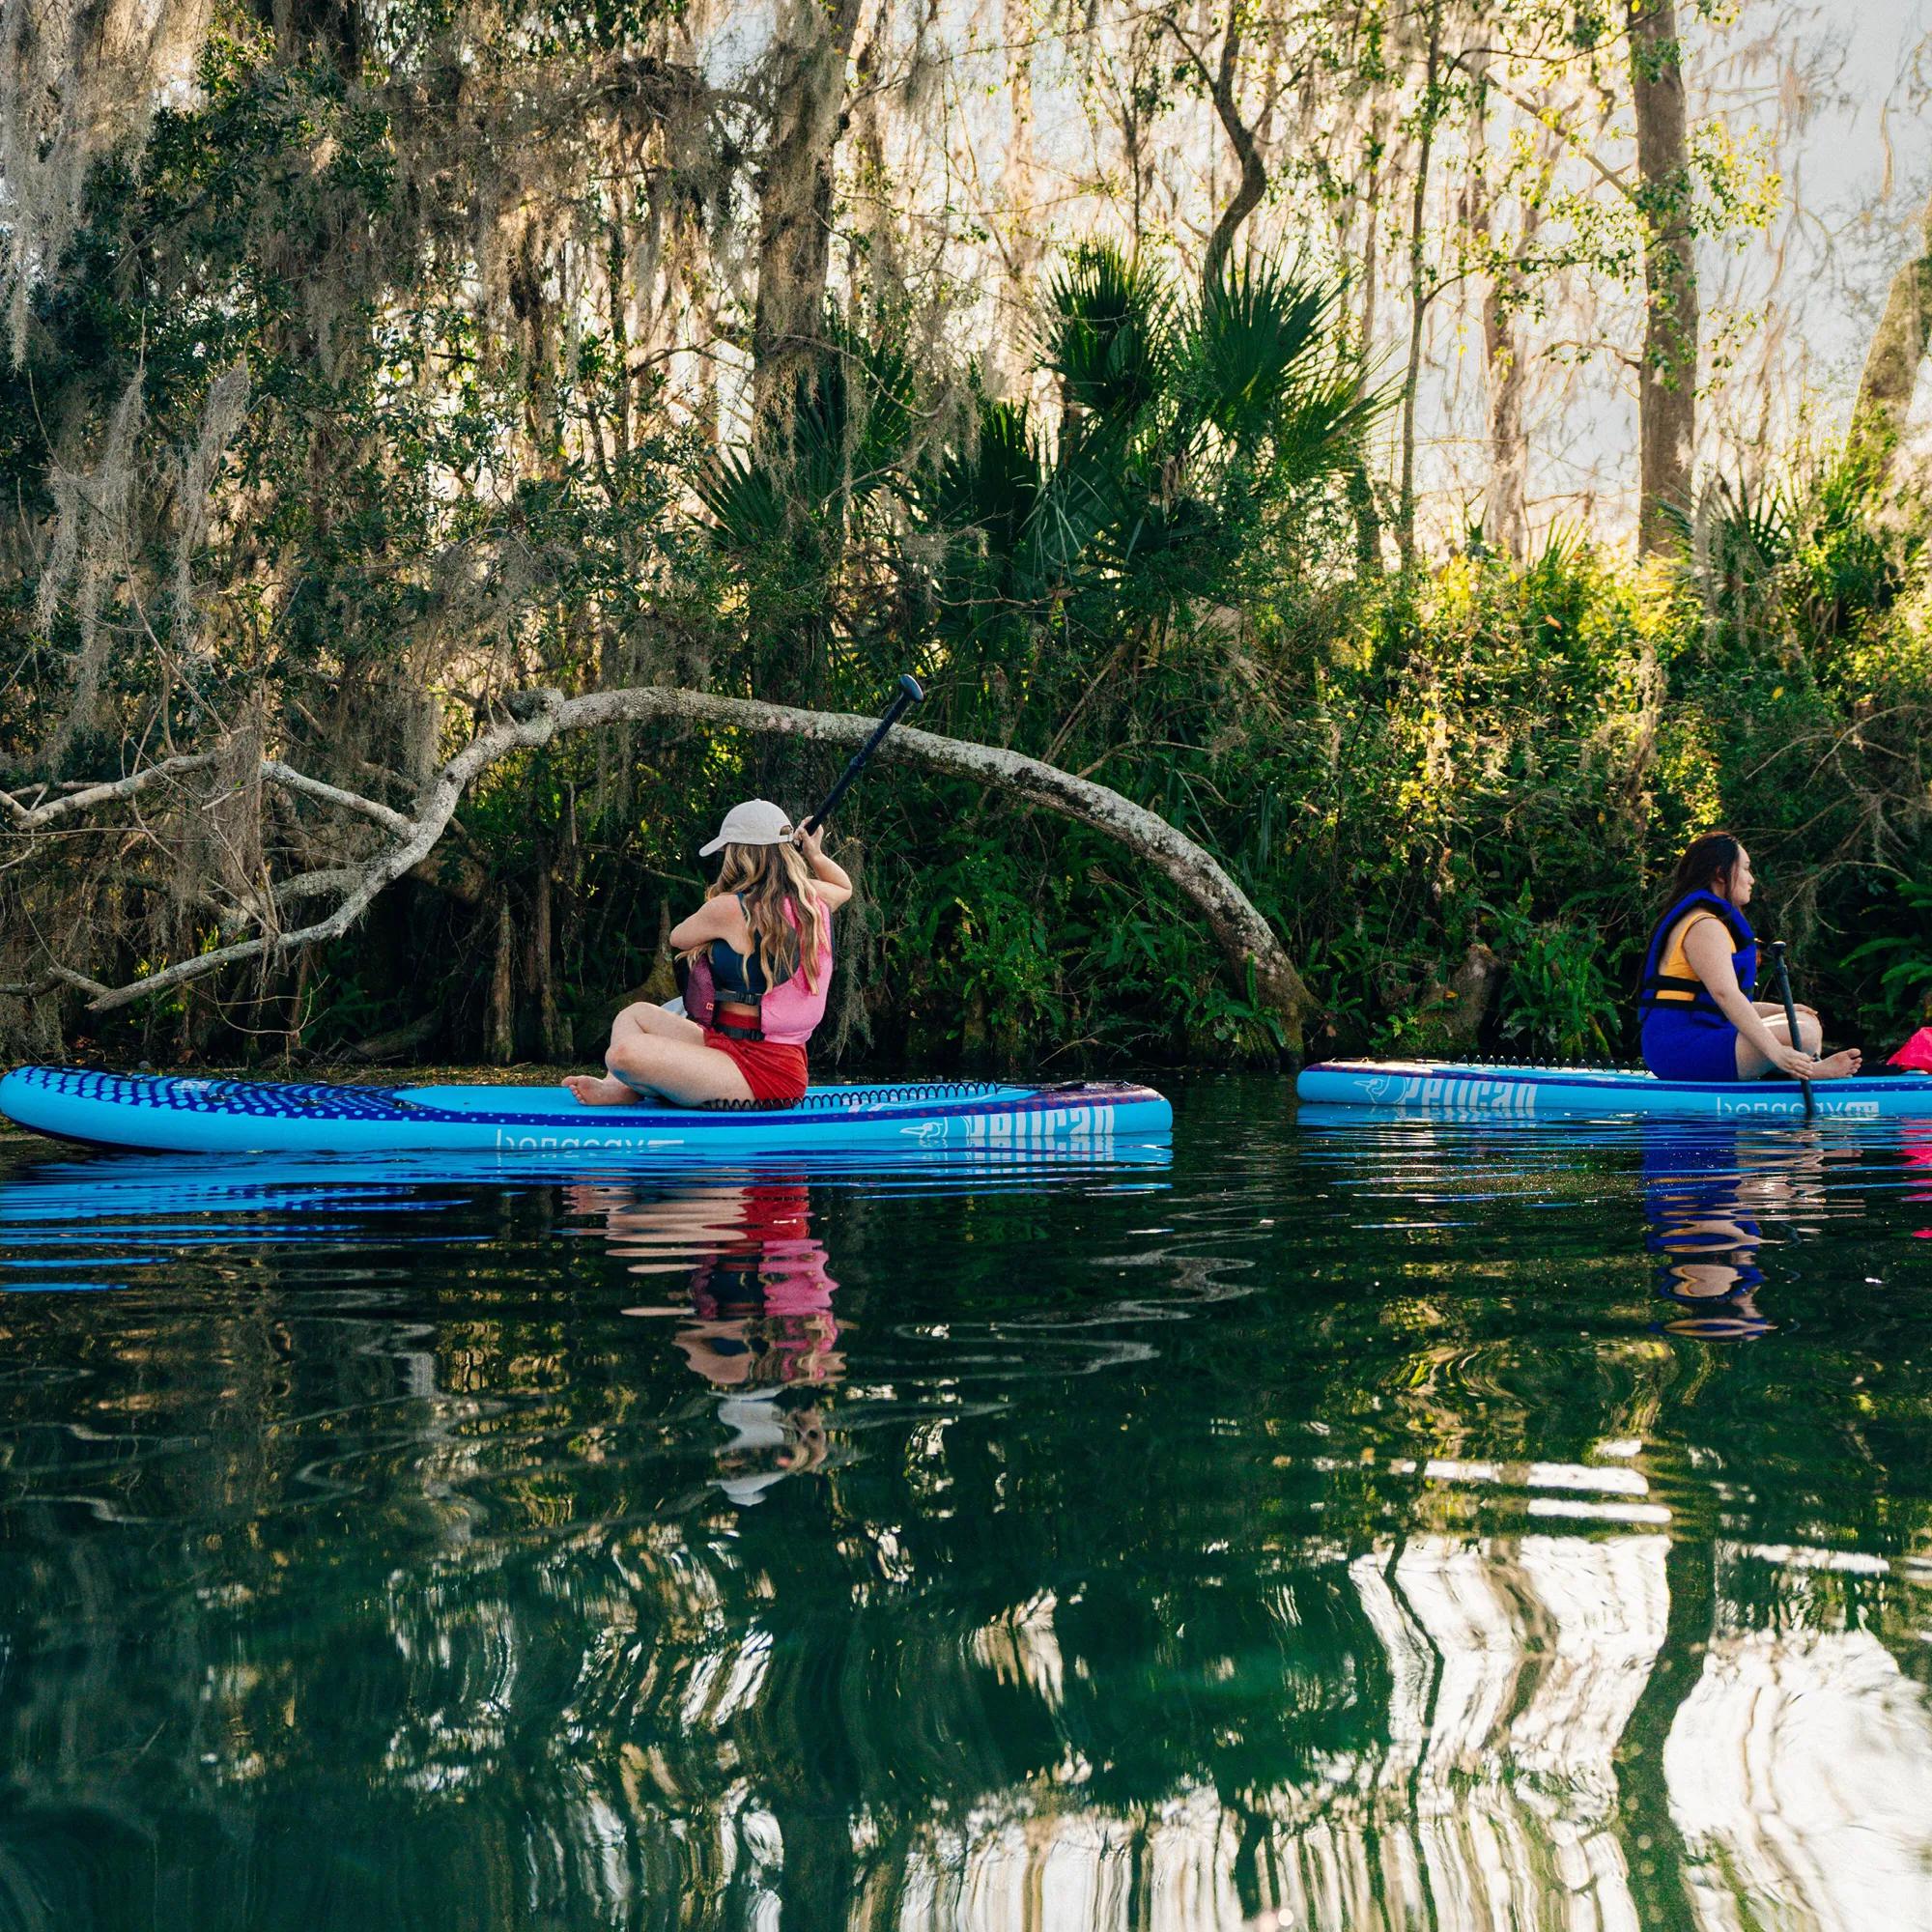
(1258, 336)
(990, 485)
(1086, 497)
(746, 501)
(881, 382)
(845, 436)
(1319, 425)
(1108, 334)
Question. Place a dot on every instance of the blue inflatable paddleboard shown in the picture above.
(1450, 1087)
(194, 1116)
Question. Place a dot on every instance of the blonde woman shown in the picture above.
(760, 953)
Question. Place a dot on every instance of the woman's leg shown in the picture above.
(1753, 1066)
(686, 1075)
(1810, 1034)
(644, 1018)
(663, 1054)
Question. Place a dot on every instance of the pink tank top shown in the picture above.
(791, 1010)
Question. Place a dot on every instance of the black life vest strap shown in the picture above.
(1671, 982)
(1656, 983)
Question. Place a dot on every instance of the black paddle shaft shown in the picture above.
(909, 693)
(1783, 978)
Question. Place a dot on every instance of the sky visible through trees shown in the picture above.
(1027, 135)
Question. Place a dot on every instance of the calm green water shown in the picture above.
(1382, 1526)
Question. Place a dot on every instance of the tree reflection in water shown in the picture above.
(1337, 1533)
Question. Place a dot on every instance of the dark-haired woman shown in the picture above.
(1699, 1019)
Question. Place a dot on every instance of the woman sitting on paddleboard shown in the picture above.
(1699, 1020)
(760, 951)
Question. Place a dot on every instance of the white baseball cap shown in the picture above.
(755, 822)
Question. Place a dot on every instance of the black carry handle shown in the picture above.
(909, 693)
(1783, 980)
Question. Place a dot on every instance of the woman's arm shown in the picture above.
(1707, 948)
(715, 919)
(834, 888)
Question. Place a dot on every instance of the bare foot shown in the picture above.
(1841, 1066)
(608, 1091)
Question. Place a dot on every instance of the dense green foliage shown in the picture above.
(1145, 566)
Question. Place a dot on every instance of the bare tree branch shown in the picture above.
(392, 822)
(1549, 118)
(316, 885)
(32, 819)
(1221, 85)
(52, 976)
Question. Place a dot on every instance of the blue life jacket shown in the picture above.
(1669, 993)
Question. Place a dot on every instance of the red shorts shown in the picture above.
(772, 1071)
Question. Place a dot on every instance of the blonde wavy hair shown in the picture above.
(766, 876)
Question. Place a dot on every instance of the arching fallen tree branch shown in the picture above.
(1243, 936)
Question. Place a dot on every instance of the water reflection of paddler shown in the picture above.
(1708, 1263)
(1701, 1206)
(763, 1300)
(759, 1322)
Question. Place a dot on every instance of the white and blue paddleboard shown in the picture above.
(1450, 1087)
(212, 1116)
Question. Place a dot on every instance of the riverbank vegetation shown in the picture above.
(371, 374)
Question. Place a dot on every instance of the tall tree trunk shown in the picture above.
(292, 1040)
(1897, 347)
(501, 1042)
(1667, 379)
(1020, 247)
(1254, 176)
(1506, 502)
(553, 1039)
(1505, 368)
(808, 83)
(873, 261)
(1418, 293)
(1361, 489)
